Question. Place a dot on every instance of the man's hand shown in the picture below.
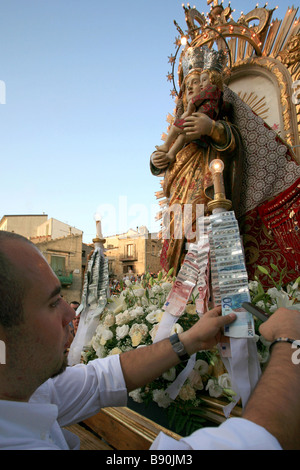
(207, 332)
(283, 322)
(275, 404)
(197, 125)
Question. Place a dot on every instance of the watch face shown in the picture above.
(179, 348)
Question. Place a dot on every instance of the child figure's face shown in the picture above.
(204, 80)
(195, 84)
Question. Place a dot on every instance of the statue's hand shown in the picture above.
(161, 159)
(197, 125)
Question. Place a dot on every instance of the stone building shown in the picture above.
(135, 253)
(60, 243)
(65, 258)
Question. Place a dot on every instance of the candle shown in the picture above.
(99, 229)
(216, 167)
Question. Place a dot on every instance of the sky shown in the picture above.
(84, 99)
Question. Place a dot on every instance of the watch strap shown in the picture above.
(178, 347)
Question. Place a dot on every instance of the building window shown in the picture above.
(129, 250)
(58, 264)
(110, 267)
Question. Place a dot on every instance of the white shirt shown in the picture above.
(233, 434)
(80, 392)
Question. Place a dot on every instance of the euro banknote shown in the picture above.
(243, 326)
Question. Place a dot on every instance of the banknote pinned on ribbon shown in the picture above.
(243, 326)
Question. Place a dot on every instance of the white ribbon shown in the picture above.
(240, 356)
(93, 302)
(193, 272)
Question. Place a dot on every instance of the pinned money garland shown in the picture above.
(131, 319)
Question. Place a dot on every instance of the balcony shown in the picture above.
(130, 253)
(65, 278)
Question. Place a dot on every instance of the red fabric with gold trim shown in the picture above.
(282, 217)
(271, 235)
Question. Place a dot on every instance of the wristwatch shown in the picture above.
(179, 348)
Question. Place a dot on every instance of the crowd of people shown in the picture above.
(116, 286)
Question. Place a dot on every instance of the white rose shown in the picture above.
(191, 309)
(100, 328)
(166, 286)
(118, 304)
(154, 316)
(253, 285)
(137, 333)
(136, 312)
(106, 336)
(138, 328)
(139, 292)
(161, 398)
(153, 331)
(187, 393)
(156, 289)
(170, 374)
(176, 329)
(224, 381)
(122, 318)
(100, 351)
(159, 314)
(151, 317)
(109, 320)
(195, 380)
(136, 395)
(261, 304)
(214, 388)
(201, 366)
(114, 351)
(151, 308)
(122, 331)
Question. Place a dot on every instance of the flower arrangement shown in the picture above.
(271, 299)
(131, 319)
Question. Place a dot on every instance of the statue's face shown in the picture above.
(204, 80)
(195, 84)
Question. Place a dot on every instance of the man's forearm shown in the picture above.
(141, 366)
(275, 403)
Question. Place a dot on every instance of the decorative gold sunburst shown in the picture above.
(258, 105)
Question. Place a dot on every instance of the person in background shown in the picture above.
(75, 322)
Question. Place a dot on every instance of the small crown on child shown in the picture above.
(203, 58)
